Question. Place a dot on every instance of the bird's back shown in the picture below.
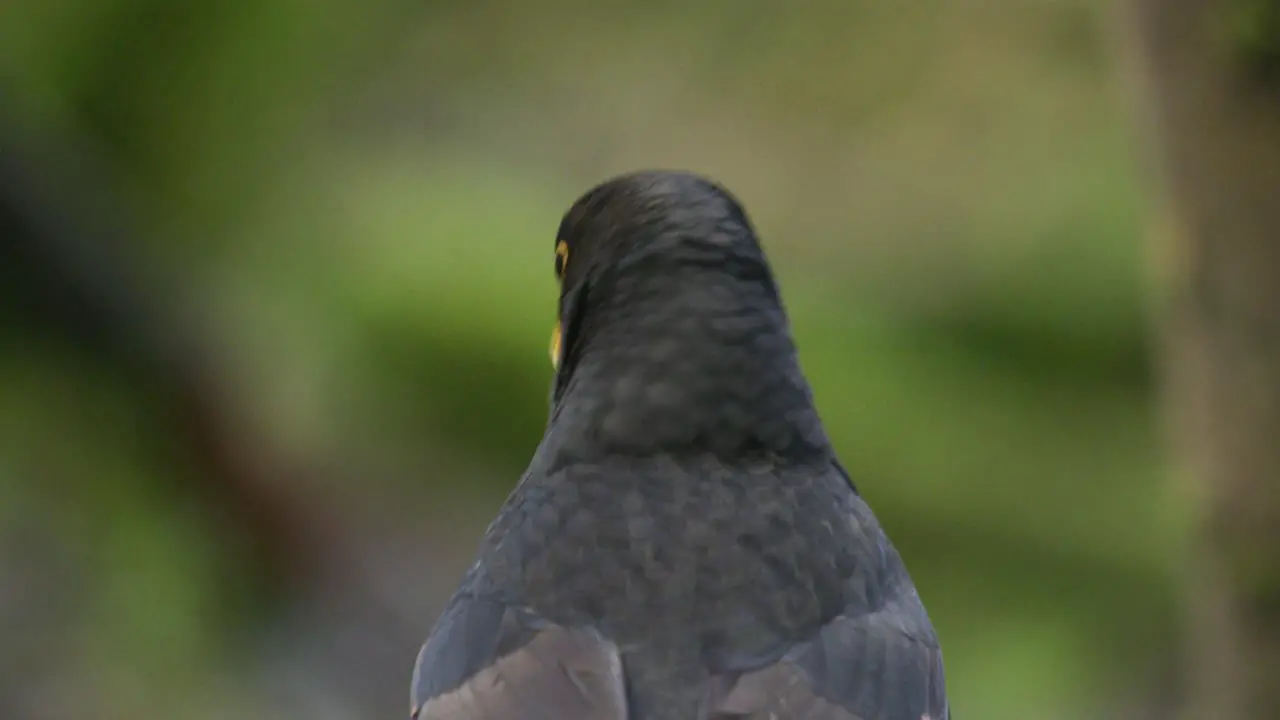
(692, 567)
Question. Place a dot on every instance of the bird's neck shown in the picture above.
(687, 368)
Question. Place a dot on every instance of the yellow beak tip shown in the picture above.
(555, 347)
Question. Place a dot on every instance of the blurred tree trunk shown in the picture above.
(1207, 71)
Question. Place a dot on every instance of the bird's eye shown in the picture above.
(562, 258)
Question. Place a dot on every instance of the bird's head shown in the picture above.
(663, 224)
(670, 329)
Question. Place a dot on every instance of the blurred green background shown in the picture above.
(346, 212)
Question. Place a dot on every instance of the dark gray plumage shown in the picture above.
(684, 543)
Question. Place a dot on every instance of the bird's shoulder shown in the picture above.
(878, 658)
(490, 660)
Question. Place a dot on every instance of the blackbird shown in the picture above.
(684, 543)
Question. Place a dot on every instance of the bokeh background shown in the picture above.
(277, 283)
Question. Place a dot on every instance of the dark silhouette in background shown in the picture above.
(67, 276)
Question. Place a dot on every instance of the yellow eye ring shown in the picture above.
(562, 258)
(555, 347)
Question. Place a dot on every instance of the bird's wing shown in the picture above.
(486, 661)
(884, 665)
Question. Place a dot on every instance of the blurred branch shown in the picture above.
(66, 275)
(1217, 128)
